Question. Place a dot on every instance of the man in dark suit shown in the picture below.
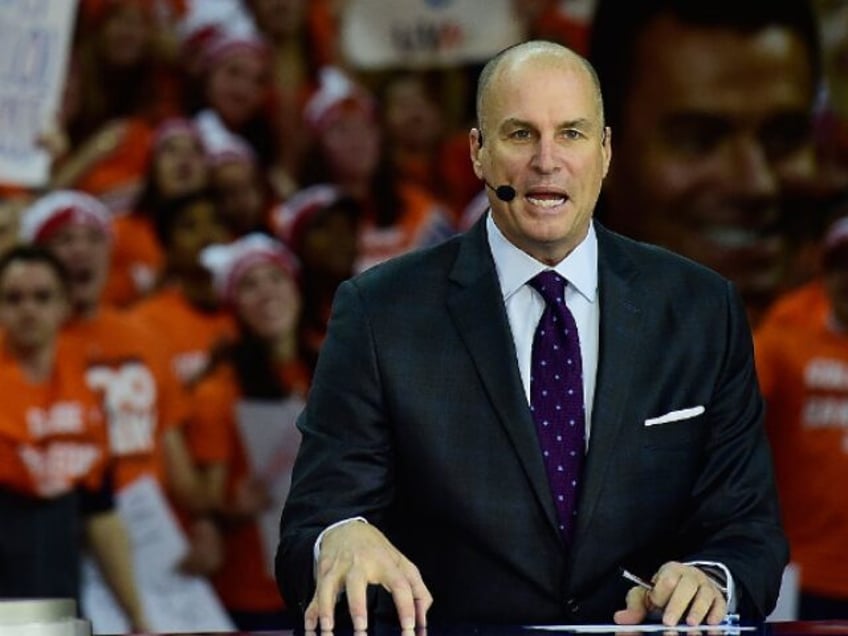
(421, 467)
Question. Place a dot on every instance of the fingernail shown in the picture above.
(359, 623)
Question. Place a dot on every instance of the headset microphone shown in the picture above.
(505, 193)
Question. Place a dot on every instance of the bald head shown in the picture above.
(539, 52)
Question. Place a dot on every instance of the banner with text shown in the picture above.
(376, 34)
(34, 42)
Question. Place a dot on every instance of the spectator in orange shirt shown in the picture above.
(177, 167)
(420, 144)
(256, 276)
(397, 216)
(302, 37)
(319, 224)
(55, 470)
(118, 89)
(124, 362)
(232, 92)
(239, 184)
(185, 311)
(803, 370)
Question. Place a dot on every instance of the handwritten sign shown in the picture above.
(34, 43)
(271, 439)
(426, 33)
(173, 601)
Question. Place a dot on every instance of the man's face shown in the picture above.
(544, 136)
(33, 305)
(714, 132)
(86, 253)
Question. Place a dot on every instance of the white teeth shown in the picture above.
(733, 237)
(546, 203)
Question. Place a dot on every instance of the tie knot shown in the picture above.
(551, 285)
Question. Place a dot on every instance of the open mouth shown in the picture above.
(546, 199)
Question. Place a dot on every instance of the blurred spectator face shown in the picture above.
(33, 305)
(413, 119)
(236, 87)
(267, 300)
(715, 130)
(85, 251)
(126, 34)
(351, 145)
(329, 243)
(279, 19)
(239, 193)
(196, 226)
(179, 166)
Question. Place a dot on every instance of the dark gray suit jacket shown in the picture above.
(417, 420)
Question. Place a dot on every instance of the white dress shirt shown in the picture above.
(524, 305)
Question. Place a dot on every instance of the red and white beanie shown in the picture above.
(292, 217)
(336, 94)
(229, 262)
(59, 208)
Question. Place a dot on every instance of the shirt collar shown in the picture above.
(515, 267)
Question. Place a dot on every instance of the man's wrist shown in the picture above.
(316, 549)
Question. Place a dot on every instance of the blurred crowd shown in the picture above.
(219, 167)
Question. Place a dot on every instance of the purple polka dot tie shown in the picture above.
(556, 397)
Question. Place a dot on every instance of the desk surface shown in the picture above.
(807, 628)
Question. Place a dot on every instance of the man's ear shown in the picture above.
(475, 143)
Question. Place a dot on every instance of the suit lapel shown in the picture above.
(475, 303)
(621, 319)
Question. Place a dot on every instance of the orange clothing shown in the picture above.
(126, 366)
(803, 372)
(801, 305)
(118, 177)
(52, 434)
(423, 222)
(187, 333)
(243, 582)
(447, 175)
(137, 260)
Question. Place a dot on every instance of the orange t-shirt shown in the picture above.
(187, 333)
(52, 434)
(423, 222)
(243, 582)
(126, 366)
(801, 305)
(117, 178)
(803, 373)
(137, 261)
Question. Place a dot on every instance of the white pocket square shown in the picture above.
(675, 416)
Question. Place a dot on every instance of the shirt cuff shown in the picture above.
(316, 549)
(720, 574)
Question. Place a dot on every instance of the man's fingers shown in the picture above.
(356, 588)
(678, 603)
(310, 616)
(327, 590)
(637, 608)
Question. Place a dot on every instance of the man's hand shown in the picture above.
(679, 590)
(353, 556)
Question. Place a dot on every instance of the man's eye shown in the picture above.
(572, 134)
(521, 134)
